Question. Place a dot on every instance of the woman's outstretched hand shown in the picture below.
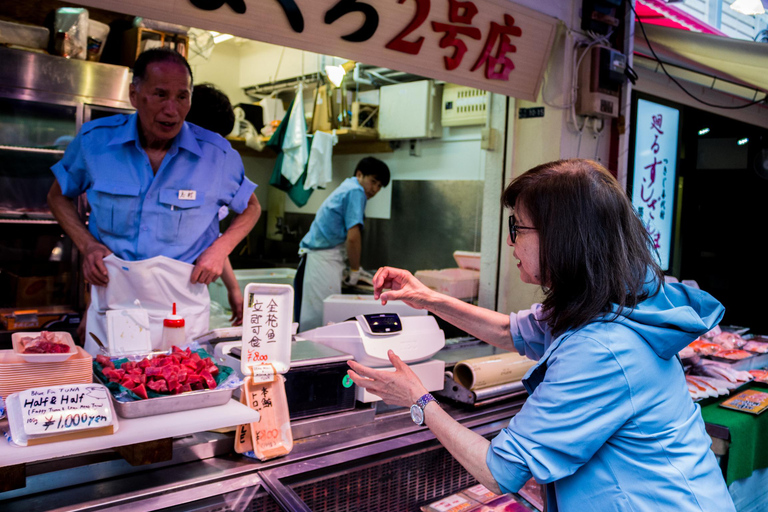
(402, 285)
(399, 387)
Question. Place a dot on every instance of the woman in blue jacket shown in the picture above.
(609, 422)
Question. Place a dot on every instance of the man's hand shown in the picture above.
(236, 303)
(352, 278)
(209, 265)
(94, 270)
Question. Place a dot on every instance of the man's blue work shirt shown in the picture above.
(340, 212)
(138, 214)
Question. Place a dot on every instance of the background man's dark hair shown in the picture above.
(370, 165)
(211, 110)
(153, 55)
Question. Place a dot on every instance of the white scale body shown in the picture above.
(414, 340)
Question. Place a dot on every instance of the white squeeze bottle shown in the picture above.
(173, 330)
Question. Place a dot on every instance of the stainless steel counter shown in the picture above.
(374, 445)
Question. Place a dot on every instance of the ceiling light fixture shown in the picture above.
(748, 7)
(220, 38)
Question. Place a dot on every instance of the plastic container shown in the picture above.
(218, 291)
(341, 307)
(173, 330)
(97, 37)
(461, 283)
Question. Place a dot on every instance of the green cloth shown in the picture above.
(749, 437)
(295, 192)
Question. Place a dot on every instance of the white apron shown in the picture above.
(157, 282)
(322, 277)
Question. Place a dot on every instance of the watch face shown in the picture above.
(417, 414)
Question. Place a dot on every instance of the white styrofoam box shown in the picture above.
(29, 36)
(430, 373)
(460, 283)
(342, 307)
(410, 110)
(466, 259)
(251, 275)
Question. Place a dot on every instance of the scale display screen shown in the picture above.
(382, 323)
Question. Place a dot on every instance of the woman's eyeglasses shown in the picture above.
(514, 227)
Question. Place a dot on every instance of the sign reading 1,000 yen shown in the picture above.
(60, 409)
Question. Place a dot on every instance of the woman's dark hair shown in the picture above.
(211, 110)
(371, 165)
(593, 249)
(153, 55)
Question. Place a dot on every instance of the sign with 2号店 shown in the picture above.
(493, 45)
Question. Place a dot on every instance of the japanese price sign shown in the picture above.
(59, 409)
(655, 170)
(267, 324)
(493, 45)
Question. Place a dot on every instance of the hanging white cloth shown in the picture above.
(272, 109)
(322, 278)
(319, 166)
(295, 146)
(157, 282)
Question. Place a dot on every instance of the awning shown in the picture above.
(658, 12)
(730, 65)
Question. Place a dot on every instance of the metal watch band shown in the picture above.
(424, 400)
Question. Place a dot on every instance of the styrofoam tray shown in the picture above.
(61, 337)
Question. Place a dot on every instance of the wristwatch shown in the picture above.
(417, 409)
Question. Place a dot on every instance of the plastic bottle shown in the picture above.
(173, 330)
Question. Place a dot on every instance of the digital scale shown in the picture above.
(368, 338)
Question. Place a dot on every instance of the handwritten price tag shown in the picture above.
(67, 408)
(267, 318)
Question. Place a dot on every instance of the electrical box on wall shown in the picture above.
(463, 106)
(601, 76)
(410, 111)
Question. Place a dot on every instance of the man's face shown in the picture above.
(162, 101)
(370, 184)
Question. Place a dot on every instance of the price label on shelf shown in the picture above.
(63, 409)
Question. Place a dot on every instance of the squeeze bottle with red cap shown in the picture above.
(173, 330)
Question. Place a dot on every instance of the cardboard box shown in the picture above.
(36, 291)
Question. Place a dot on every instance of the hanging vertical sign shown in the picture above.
(655, 171)
(493, 45)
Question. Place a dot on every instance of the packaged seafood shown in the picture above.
(704, 347)
(735, 354)
(724, 371)
(760, 375)
(729, 340)
(761, 347)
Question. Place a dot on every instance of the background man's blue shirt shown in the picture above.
(340, 212)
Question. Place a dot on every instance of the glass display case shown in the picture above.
(44, 100)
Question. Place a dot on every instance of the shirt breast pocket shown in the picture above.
(116, 206)
(182, 216)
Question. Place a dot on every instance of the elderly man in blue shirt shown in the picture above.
(154, 185)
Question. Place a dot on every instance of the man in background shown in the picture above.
(334, 236)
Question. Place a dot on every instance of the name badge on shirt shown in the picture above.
(188, 195)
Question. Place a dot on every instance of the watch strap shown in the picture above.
(424, 400)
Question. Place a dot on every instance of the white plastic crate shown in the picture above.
(251, 275)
